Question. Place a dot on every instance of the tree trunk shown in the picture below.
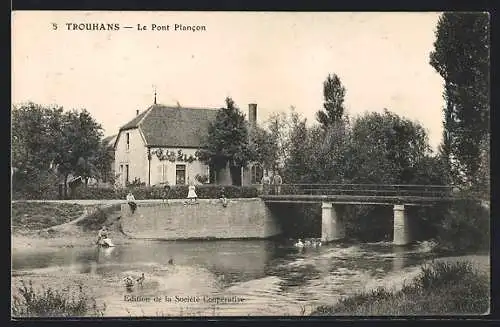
(65, 186)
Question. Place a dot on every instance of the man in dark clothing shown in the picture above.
(277, 181)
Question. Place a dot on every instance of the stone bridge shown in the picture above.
(331, 196)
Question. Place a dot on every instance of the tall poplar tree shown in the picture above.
(462, 57)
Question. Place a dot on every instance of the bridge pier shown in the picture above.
(332, 228)
(401, 227)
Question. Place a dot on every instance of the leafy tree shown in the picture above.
(49, 144)
(104, 162)
(79, 145)
(227, 141)
(385, 149)
(329, 148)
(34, 137)
(280, 125)
(264, 147)
(461, 57)
(298, 160)
(333, 93)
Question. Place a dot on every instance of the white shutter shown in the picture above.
(164, 173)
(160, 173)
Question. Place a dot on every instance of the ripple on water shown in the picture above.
(290, 283)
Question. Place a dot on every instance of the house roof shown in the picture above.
(110, 140)
(173, 126)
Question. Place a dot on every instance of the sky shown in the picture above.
(276, 60)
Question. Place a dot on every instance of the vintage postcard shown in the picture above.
(213, 164)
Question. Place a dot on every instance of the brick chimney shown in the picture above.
(137, 112)
(252, 113)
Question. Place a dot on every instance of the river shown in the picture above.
(226, 278)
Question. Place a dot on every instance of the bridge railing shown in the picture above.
(364, 190)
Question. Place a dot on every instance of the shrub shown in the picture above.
(94, 221)
(464, 227)
(53, 303)
(176, 192)
(440, 288)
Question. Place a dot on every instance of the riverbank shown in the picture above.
(29, 216)
(46, 225)
(445, 286)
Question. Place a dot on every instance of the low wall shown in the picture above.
(241, 218)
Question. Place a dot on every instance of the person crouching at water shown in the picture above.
(101, 235)
(192, 197)
(131, 202)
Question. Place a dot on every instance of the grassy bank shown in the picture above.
(30, 218)
(47, 302)
(441, 288)
(27, 216)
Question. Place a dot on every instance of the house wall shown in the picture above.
(135, 156)
(165, 171)
(241, 218)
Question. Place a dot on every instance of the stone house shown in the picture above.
(159, 145)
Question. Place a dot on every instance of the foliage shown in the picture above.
(48, 144)
(465, 227)
(298, 159)
(206, 191)
(227, 140)
(333, 93)
(440, 288)
(279, 125)
(172, 156)
(461, 57)
(95, 220)
(264, 147)
(328, 147)
(203, 179)
(53, 303)
(103, 162)
(33, 216)
(385, 149)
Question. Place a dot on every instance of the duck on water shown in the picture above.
(308, 243)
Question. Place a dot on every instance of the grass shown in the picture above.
(440, 289)
(34, 216)
(53, 303)
(95, 220)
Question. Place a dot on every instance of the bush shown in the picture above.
(464, 227)
(440, 288)
(34, 186)
(94, 221)
(53, 303)
(176, 192)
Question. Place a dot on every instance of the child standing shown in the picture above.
(192, 197)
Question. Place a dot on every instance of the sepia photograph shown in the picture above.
(250, 164)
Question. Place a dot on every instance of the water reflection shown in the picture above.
(271, 275)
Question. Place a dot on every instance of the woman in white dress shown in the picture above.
(192, 197)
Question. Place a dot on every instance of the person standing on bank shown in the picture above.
(277, 181)
(266, 181)
(131, 202)
(166, 192)
(192, 197)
